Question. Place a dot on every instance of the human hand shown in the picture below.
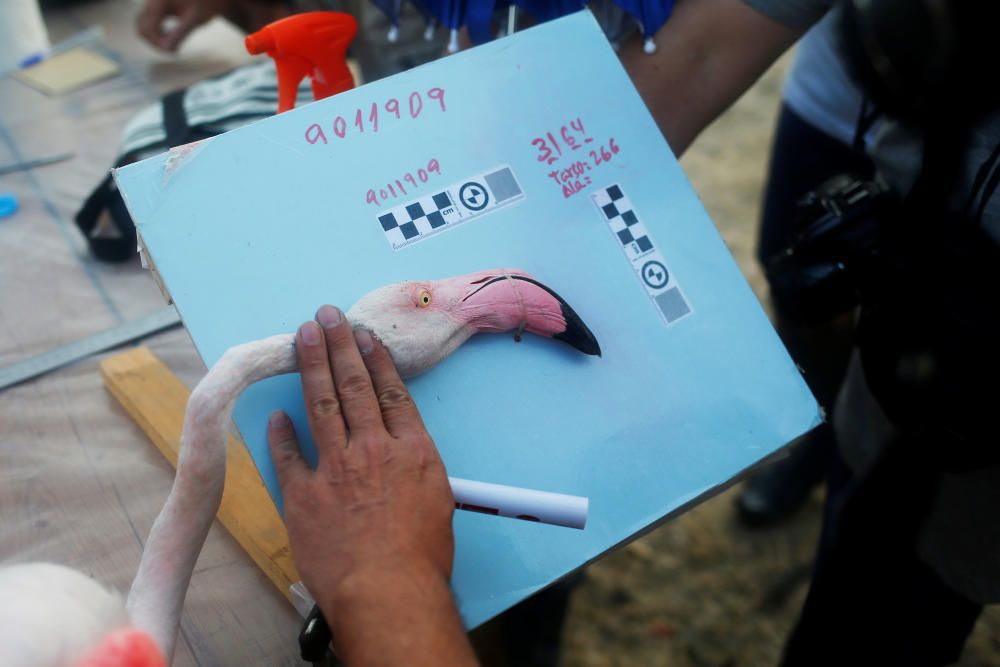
(370, 528)
(189, 15)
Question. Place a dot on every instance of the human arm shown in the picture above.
(370, 528)
(249, 15)
(708, 54)
(188, 14)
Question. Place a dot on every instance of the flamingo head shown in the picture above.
(422, 322)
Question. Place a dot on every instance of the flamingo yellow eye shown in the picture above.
(424, 299)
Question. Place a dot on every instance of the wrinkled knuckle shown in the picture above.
(385, 456)
(325, 405)
(316, 362)
(394, 397)
(355, 384)
(334, 475)
(284, 449)
(356, 468)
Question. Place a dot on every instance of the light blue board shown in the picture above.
(256, 228)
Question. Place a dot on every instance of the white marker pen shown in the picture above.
(528, 504)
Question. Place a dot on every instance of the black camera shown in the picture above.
(835, 240)
(925, 290)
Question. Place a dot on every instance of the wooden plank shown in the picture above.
(156, 399)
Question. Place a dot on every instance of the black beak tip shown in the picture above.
(577, 333)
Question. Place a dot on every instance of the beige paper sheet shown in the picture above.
(68, 71)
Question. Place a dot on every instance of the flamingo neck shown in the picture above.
(178, 534)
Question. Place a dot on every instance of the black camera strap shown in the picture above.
(982, 188)
(867, 115)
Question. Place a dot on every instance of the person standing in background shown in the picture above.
(814, 140)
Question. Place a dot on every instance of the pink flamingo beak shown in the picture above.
(509, 299)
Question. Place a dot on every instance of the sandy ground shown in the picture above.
(703, 590)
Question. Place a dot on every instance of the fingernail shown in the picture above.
(329, 316)
(310, 333)
(278, 419)
(365, 340)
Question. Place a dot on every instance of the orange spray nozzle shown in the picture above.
(312, 44)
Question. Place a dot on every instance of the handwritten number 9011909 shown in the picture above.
(372, 117)
(379, 196)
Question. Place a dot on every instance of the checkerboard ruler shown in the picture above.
(423, 217)
(165, 318)
(642, 253)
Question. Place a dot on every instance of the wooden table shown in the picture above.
(79, 482)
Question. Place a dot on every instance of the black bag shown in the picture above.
(201, 111)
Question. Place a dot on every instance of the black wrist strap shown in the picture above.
(315, 637)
